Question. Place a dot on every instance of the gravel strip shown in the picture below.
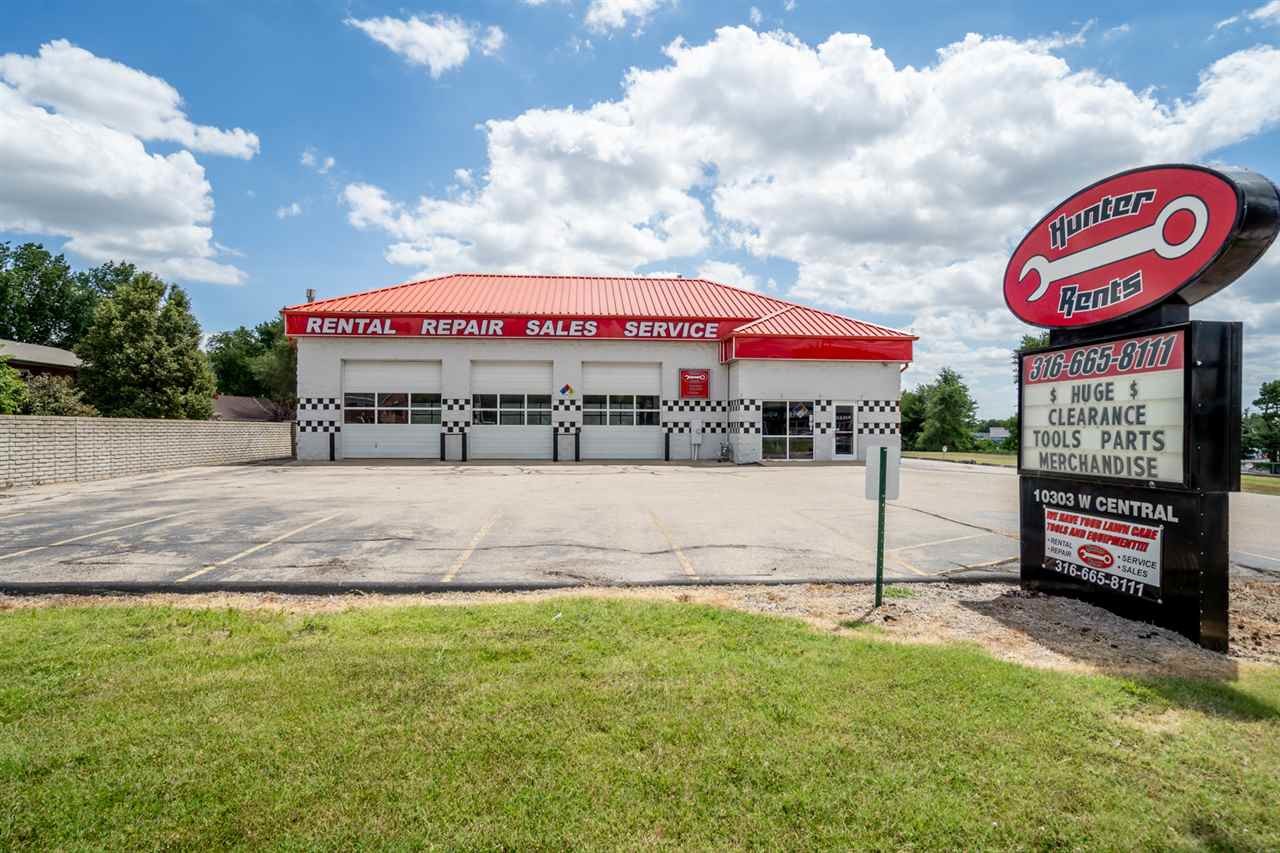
(1024, 627)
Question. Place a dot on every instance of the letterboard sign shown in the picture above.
(1112, 410)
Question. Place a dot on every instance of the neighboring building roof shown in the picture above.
(229, 407)
(37, 354)
(475, 294)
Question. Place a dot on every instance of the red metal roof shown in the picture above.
(475, 294)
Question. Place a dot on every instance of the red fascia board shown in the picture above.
(822, 349)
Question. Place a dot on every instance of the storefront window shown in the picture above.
(788, 429)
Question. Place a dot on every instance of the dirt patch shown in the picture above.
(1024, 627)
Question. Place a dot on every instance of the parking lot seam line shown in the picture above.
(468, 551)
(867, 553)
(675, 549)
(256, 548)
(939, 542)
(1005, 533)
(95, 533)
(1259, 556)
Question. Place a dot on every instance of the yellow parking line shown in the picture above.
(94, 533)
(468, 551)
(247, 551)
(675, 549)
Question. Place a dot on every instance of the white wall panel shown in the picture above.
(621, 377)
(388, 376)
(510, 377)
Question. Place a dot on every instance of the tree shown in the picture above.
(55, 395)
(43, 302)
(1028, 342)
(13, 391)
(142, 354)
(912, 409)
(276, 372)
(233, 355)
(1264, 427)
(949, 412)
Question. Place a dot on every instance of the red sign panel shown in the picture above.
(695, 384)
(302, 324)
(1134, 240)
(1107, 360)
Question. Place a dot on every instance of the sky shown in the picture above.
(878, 160)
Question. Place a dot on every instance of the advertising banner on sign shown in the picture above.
(1123, 556)
(1114, 409)
(695, 384)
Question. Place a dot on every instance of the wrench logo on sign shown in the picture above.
(1146, 239)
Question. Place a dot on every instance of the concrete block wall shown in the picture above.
(36, 450)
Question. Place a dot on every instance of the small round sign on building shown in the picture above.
(1130, 418)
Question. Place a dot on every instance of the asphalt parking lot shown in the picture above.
(433, 525)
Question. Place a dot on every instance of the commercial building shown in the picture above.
(572, 368)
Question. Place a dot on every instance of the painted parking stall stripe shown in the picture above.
(684, 562)
(468, 551)
(84, 536)
(255, 549)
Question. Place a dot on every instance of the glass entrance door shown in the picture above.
(788, 429)
(845, 447)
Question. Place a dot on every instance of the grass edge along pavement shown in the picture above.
(1260, 484)
(602, 724)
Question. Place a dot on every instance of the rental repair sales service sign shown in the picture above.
(1119, 555)
(1114, 409)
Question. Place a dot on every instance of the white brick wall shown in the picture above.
(37, 450)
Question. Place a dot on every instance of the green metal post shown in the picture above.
(884, 463)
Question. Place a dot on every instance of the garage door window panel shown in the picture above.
(425, 408)
(620, 410)
(511, 409)
(538, 409)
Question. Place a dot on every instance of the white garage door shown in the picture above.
(621, 417)
(391, 409)
(510, 410)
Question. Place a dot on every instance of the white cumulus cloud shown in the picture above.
(727, 273)
(438, 42)
(73, 163)
(896, 192)
(289, 210)
(605, 15)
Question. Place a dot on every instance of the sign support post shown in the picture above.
(884, 464)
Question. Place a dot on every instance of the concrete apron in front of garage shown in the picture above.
(506, 526)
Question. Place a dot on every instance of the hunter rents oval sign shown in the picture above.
(1137, 239)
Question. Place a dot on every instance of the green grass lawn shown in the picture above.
(1006, 459)
(1260, 485)
(600, 724)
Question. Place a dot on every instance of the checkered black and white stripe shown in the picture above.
(454, 427)
(455, 404)
(695, 405)
(877, 406)
(682, 427)
(567, 428)
(319, 426)
(319, 403)
(746, 405)
(747, 429)
(566, 406)
(872, 428)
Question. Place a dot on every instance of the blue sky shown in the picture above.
(826, 152)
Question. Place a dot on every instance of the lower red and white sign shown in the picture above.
(1115, 554)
